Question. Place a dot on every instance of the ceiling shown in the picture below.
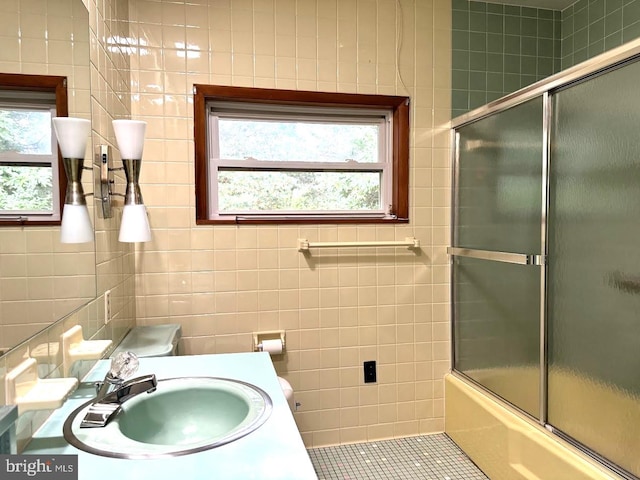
(551, 4)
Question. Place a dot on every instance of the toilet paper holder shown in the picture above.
(259, 337)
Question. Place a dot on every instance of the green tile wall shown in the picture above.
(590, 27)
(498, 49)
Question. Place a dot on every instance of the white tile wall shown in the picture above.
(224, 282)
(339, 308)
(90, 59)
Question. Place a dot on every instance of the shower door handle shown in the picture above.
(505, 257)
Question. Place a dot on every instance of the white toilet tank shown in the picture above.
(151, 341)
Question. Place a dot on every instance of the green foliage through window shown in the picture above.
(26, 181)
(297, 141)
(336, 165)
(26, 132)
(312, 191)
(26, 188)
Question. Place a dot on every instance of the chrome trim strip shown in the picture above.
(505, 257)
(592, 453)
(455, 202)
(547, 118)
(588, 67)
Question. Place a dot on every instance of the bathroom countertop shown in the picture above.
(273, 451)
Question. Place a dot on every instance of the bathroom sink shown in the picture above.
(184, 415)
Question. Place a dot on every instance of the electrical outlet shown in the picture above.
(370, 371)
(107, 306)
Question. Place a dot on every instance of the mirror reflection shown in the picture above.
(42, 279)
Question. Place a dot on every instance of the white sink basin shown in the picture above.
(184, 415)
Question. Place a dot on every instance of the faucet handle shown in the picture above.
(123, 365)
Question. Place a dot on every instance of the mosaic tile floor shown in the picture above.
(429, 457)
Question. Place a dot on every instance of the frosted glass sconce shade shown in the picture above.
(135, 224)
(72, 134)
(130, 138)
(76, 225)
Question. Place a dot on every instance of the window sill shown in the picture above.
(16, 222)
(283, 220)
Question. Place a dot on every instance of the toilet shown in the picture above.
(162, 341)
(288, 393)
(151, 341)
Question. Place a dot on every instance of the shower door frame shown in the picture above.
(538, 259)
(545, 88)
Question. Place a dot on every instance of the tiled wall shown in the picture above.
(111, 99)
(339, 308)
(590, 27)
(54, 279)
(114, 262)
(498, 49)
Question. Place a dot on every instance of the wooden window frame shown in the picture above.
(400, 149)
(41, 83)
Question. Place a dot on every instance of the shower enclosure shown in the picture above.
(546, 254)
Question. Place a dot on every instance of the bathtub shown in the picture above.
(506, 444)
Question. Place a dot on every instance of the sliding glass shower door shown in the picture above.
(546, 254)
(594, 265)
(496, 289)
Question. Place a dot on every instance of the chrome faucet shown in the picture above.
(114, 391)
(135, 386)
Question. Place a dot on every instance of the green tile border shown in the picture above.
(488, 40)
(511, 46)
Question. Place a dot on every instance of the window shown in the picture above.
(288, 156)
(32, 178)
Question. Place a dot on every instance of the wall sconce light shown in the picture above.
(135, 223)
(130, 139)
(72, 136)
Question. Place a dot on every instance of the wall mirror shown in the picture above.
(41, 279)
